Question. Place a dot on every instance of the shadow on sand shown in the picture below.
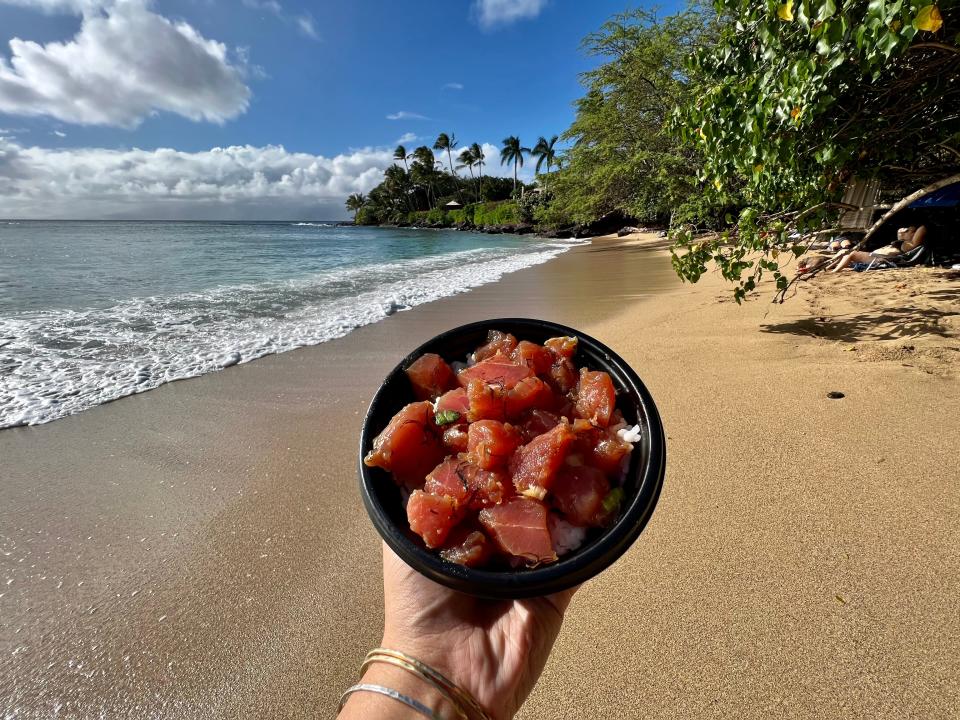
(903, 323)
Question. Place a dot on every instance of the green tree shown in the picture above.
(799, 97)
(448, 143)
(401, 154)
(467, 160)
(545, 154)
(622, 157)
(478, 158)
(354, 203)
(513, 152)
(424, 172)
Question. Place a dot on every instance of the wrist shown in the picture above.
(365, 704)
(452, 659)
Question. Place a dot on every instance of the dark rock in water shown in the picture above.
(403, 224)
(396, 307)
(835, 395)
(524, 229)
(559, 234)
(629, 230)
(510, 229)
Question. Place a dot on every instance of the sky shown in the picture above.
(266, 109)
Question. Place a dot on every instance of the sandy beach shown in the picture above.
(201, 551)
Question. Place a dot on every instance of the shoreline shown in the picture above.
(59, 383)
(201, 550)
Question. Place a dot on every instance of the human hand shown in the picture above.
(494, 649)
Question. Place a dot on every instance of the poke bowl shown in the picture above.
(635, 486)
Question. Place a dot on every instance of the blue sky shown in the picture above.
(92, 90)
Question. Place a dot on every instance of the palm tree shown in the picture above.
(545, 154)
(448, 143)
(423, 170)
(354, 203)
(478, 158)
(401, 154)
(466, 160)
(512, 152)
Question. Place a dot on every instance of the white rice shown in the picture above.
(565, 537)
(629, 435)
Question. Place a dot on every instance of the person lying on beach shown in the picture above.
(445, 654)
(908, 238)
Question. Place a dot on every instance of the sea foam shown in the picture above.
(55, 363)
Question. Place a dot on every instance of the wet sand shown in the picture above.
(200, 551)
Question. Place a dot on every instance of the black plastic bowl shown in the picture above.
(600, 550)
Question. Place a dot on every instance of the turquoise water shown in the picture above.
(93, 311)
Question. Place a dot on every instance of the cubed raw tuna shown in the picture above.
(529, 393)
(536, 357)
(455, 401)
(534, 465)
(432, 517)
(467, 547)
(537, 422)
(491, 443)
(431, 377)
(445, 480)
(519, 528)
(578, 493)
(455, 439)
(562, 346)
(596, 397)
(497, 342)
(487, 402)
(497, 370)
(409, 446)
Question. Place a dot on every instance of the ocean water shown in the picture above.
(94, 311)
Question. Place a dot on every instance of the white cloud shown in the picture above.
(453, 86)
(307, 27)
(503, 12)
(304, 23)
(59, 134)
(240, 182)
(125, 63)
(407, 138)
(268, 5)
(404, 115)
(55, 6)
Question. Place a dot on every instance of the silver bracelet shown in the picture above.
(390, 693)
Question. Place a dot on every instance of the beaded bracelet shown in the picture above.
(390, 693)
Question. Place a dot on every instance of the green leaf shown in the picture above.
(445, 417)
(611, 503)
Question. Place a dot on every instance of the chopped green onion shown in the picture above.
(613, 499)
(445, 417)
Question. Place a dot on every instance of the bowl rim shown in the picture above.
(571, 570)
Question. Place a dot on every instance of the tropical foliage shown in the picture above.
(513, 152)
(418, 191)
(748, 117)
(800, 97)
(623, 158)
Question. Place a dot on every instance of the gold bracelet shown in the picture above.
(461, 713)
(462, 699)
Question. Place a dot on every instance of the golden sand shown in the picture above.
(201, 551)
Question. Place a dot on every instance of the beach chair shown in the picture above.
(912, 258)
